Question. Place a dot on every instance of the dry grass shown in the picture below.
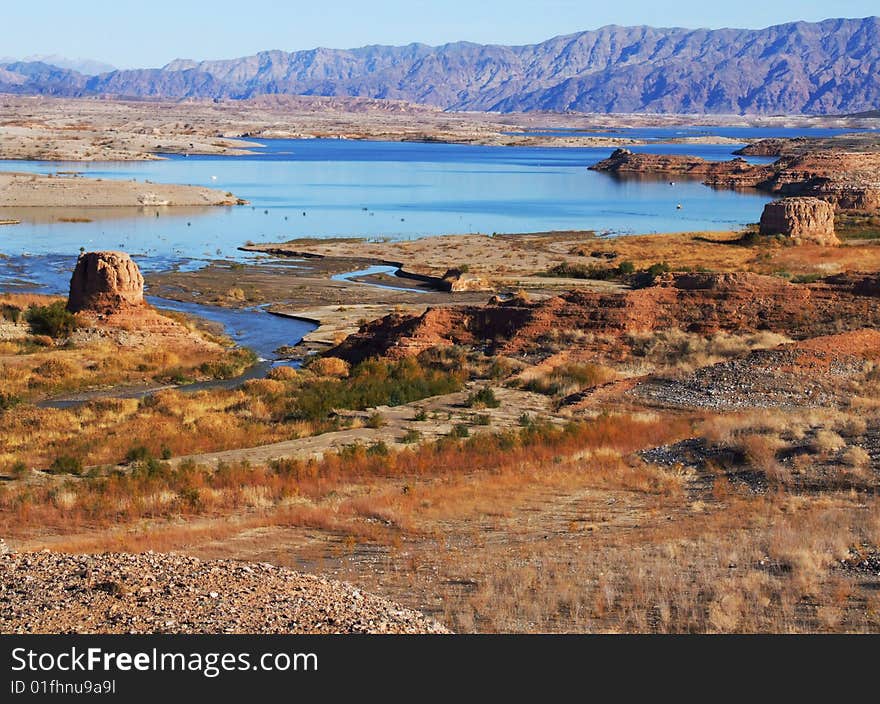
(289, 405)
(555, 531)
(724, 252)
(153, 490)
(673, 350)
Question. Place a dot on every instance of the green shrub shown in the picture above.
(376, 420)
(411, 436)
(482, 419)
(372, 383)
(66, 464)
(11, 313)
(460, 430)
(235, 363)
(137, 453)
(378, 449)
(53, 320)
(484, 398)
(8, 401)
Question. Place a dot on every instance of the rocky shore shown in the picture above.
(849, 180)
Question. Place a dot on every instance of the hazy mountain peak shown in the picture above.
(87, 67)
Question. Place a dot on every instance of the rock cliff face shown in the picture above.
(701, 303)
(105, 282)
(803, 219)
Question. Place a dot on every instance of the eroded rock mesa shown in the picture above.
(105, 282)
(802, 219)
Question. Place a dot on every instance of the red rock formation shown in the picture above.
(701, 303)
(803, 219)
(104, 282)
(849, 180)
(624, 161)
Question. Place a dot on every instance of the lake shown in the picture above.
(336, 187)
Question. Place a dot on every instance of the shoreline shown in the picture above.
(25, 190)
(87, 130)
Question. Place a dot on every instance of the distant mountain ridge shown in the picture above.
(826, 67)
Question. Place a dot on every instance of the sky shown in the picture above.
(150, 34)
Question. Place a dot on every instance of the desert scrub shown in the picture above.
(8, 401)
(376, 420)
(411, 436)
(484, 398)
(370, 384)
(234, 363)
(12, 313)
(66, 464)
(566, 379)
(53, 320)
(625, 271)
(153, 489)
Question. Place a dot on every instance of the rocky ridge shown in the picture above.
(700, 303)
(828, 67)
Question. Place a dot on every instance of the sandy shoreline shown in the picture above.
(22, 190)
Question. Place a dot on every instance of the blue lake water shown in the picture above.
(379, 189)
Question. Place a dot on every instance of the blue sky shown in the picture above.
(151, 33)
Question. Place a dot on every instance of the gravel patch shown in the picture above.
(49, 592)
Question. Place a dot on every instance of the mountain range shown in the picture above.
(827, 67)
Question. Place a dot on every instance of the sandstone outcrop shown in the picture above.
(698, 302)
(849, 180)
(803, 219)
(104, 282)
(624, 161)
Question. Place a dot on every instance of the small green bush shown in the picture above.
(411, 436)
(137, 453)
(376, 420)
(8, 401)
(66, 464)
(484, 398)
(53, 320)
(378, 449)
